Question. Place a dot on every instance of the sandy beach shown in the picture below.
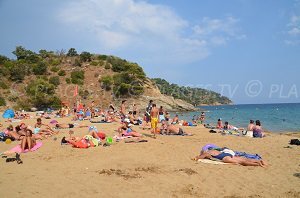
(161, 167)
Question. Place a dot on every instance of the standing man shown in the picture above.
(123, 110)
(148, 110)
(154, 119)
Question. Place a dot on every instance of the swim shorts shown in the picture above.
(154, 122)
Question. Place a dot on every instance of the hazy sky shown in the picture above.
(248, 50)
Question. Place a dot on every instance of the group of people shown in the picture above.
(153, 115)
(254, 128)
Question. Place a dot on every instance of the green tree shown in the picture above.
(22, 53)
(85, 56)
(72, 52)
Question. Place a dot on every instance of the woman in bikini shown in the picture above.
(228, 156)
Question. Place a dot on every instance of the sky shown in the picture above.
(247, 50)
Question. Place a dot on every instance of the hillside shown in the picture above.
(47, 78)
(195, 96)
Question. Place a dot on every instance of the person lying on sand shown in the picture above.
(22, 131)
(228, 156)
(227, 126)
(43, 128)
(90, 140)
(170, 129)
(70, 126)
(126, 129)
(13, 135)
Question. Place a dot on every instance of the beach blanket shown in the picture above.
(17, 149)
(208, 161)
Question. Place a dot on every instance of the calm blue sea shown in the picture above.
(274, 117)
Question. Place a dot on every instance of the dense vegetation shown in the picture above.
(195, 96)
(34, 79)
(41, 74)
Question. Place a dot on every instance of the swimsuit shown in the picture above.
(222, 155)
(154, 122)
(257, 133)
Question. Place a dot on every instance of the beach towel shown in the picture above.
(17, 149)
(208, 161)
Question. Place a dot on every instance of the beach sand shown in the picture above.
(161, 167)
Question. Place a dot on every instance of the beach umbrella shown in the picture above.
(9, 113)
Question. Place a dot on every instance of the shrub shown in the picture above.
(4, 71)
(40, 68)
(122, 89)
(54, 61)
(84, 94)
(3, 59)
(17, 73)
(68, 80)
(42, 94)
(94, 63)
(2, 101)
(77, 77)
(54, 69)
(54, 80)
(3, 85)
(107, 66)
(102, 57)
(77, 63)
(85, 56)
(13, 98)
(107, 82)
(61, 73)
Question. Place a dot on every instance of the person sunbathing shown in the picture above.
(28, 142)
(126, 129)
(70, 126)
(22, 128)
(90, 140)
(43, 129)
(228, 156)
(170, 129)
(13, 135)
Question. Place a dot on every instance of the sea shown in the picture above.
(274, 117)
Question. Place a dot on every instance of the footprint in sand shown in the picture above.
(188, 171)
